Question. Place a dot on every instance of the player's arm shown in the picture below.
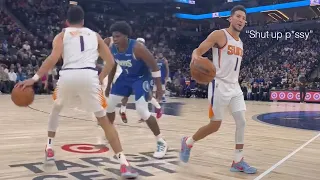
(141, 52)
(106, 55)
(213, 40)
(52, 59)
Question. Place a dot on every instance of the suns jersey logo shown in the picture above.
(234, 50)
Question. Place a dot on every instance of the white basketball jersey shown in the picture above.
(227, 60)
(80, 48)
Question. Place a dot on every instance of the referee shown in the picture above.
(302, 88)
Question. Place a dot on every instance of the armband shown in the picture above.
(156, 74)
(36, 77)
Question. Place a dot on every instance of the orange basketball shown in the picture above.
(202, 70)
(23, 97)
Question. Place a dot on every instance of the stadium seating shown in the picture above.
(267, 63)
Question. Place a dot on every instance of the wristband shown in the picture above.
(36, 77)
(156, 74)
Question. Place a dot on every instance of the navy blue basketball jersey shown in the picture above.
(162, 67)
(132, 68)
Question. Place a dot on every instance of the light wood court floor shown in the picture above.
(23, 138)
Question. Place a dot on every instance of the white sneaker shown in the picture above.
(161, 151)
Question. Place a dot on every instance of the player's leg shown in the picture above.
(119, 90)
(216, 113)
(238, 108)
(164, 92)
(154, 102)
(123, 108)
(141, 89)
(58, 96)
(96, 102)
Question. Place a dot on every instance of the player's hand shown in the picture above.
(26, 83)
(194, 58)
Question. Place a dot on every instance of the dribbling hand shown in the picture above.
(25, 83)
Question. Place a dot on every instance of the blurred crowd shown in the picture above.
(267, 64)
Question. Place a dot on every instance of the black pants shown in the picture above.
(4, 86)
(303, 92)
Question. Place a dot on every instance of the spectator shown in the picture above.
(12, 79)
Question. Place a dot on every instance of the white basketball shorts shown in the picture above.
(83, 83)
(222, 95)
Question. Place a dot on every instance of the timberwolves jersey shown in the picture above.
(163, 70)
(135, 75)
(132, 68)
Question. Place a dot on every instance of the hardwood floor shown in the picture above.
(23, 138)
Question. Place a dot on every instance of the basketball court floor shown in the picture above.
(282, 141)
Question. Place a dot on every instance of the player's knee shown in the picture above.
(57, 104)
(240, 120)
(112, 102)
(100, 114)
(142, 108)
(214, 126)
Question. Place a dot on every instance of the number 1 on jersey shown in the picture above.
(235, 68)
(81, 43)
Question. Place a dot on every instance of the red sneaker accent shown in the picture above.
(123, 168)
(50, 153)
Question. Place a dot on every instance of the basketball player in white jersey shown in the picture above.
(80, 48)
(124, 101)
(227, 49)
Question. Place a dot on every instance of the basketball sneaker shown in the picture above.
(185, 150)
(123, 116)
(128, 172)
(242, 166)
(162, 149)
(163, 100)
(159, 112)
(49, 154)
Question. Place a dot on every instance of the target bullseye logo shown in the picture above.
(316, 96)
(282, 95)
(84, 148)
(290, 95)
(274, 95)
(308, 96)
(298, 96)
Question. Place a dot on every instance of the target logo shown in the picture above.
(274, 95)
(84, 148)
(308, 96)
(282, 95)
(290, 95)
(316, 96)
(298, 96)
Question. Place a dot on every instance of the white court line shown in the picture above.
(286, 158)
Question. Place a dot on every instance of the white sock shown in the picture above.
(123, 109)
(49, 142)
(238, 155)
(122, 159)
(159, 138)
(190, 141)
(155, 103)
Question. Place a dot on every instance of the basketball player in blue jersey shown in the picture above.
(164, 68)
(124, 101)
(136, 62)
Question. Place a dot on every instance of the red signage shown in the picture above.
(311, 96)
